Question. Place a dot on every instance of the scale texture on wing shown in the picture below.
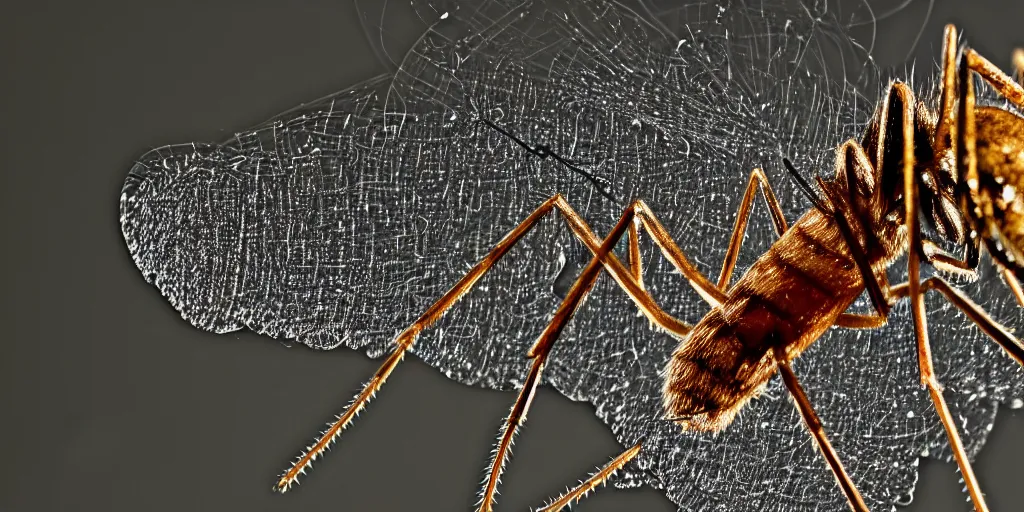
(339, 222)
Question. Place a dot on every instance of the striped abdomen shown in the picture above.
(787, 299)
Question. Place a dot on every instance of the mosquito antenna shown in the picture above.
(805, 187)
(544, 151)
(870, 281)
(859, 257)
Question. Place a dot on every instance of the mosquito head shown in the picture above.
(878, 164)
(938, 199)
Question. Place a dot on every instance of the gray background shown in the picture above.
(110, 401)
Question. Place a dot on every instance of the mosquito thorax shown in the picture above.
(997, 192)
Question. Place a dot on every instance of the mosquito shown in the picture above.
(959, 166)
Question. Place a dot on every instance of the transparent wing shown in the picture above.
(339, 222)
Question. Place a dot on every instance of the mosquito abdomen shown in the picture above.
(785, 301)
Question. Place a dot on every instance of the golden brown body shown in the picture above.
(728, 357)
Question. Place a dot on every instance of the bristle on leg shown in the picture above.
(503, 448)
(600, 477)
(334, 429)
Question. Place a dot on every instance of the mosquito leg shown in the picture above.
(928, 379)
(593, 482)
(860, 321)
(998, 332)
(1002, 83)
(515, 419)
(965, 145)
(713, 294)
(624, 277)
(818, 431)
(675, 255)
(635, 263)
(945, 131)
(539, 353)
(757, 180)
(1014, 284)
(1018, 65)
(966, 267)
(407, 338)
